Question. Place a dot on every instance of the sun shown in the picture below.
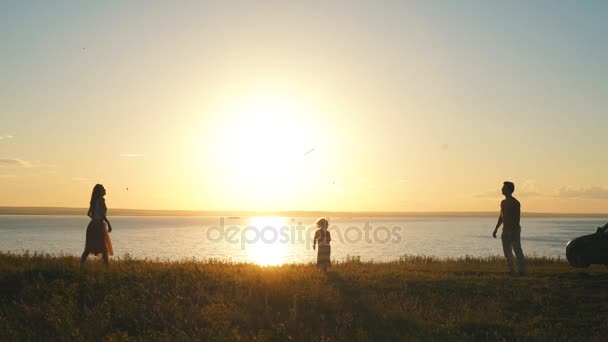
(259, 147)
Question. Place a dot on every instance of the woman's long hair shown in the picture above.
(97, 193)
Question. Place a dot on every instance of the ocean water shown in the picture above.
(278, 240)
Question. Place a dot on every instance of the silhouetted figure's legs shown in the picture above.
(84, 256)
(507, 247)
(511, 242)
(519, 253)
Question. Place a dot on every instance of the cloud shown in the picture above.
(517, 193)
(591, 192)
(14, 163)
(8, 136)
(566, 192)
(131, 155)
(527, 188)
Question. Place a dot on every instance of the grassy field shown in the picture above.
(416, 298)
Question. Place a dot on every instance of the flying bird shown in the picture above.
(307, 152)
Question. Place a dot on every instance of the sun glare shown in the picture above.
(260, 147)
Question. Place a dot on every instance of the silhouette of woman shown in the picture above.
(98, 237)
(322, 238)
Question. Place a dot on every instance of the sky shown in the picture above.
(328, 105)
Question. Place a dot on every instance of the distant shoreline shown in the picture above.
(144, 212)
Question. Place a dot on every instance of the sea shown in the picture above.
(282, 240)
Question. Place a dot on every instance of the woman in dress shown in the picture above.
(98, 237)
(322, 238)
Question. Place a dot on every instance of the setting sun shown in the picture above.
(263, 147)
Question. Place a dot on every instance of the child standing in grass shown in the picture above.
(322, 238)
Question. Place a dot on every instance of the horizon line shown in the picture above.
(33, 210)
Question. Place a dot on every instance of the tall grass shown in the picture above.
(413, 298)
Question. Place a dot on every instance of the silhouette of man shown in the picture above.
(510, 211)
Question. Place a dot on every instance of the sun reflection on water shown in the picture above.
(267, 249)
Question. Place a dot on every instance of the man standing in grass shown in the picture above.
(510, 211)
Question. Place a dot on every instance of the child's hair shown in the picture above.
(322, 223)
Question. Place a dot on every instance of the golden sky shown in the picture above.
(312, 106)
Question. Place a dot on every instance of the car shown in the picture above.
(589, 249)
